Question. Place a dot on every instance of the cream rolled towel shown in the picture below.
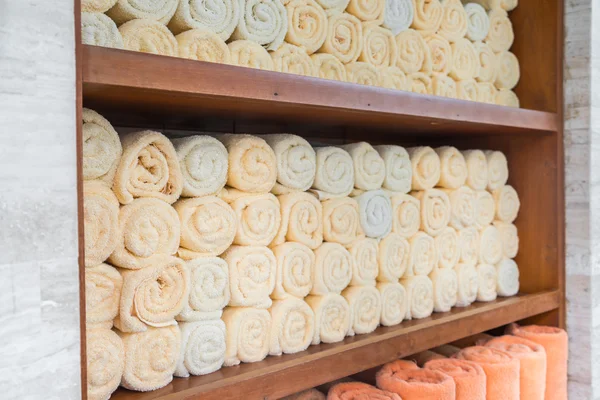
(441, 54)
(466, 90)
(420, 83)
(258, 217)
(246, 53)
(333, 7)
(379, 46)
(488, 63)
(509, 238)
(365, 308)
(414, 54)
(488, 280)
(101, 147)
(423, 256)
(425, 167)
(332, 317)
(455, 21)
(509, 71)
(149, 167)
(252, 275)
(344, 37)
(468, 284)
(333, 269)
(296, 162)
(393, 258)
(468, 243)
(444, 86)
(486, 92)
(101, 222)
(398, 169)
(394, 78)
(398, 15)
(209, 289)
(248, 334)
(335, 173)
(497, 169)
(419, 292)
(375, 209)
(394, 303)
(507, 203)
(477, 169)
(148, 36)
(485, 208)
(262, 21)
(445, 289)
(292, 326)
(453, 167)
(220, 17)
(341, 221)
(500, 37)
(435, 210)
(428, 16)
(208, 226)
(252, 163)
(365, 265)
(155, 10)
(490, 246)
(105, 363)
(463, 202)
(362, 73)
(203, 45)
(307, 24)
(295, 269)
(507, 273)
(507, 98)
(96, 6)
(102, 294)
(446, 247)
(150, 358)
(367, 10)
(466, 64)
(202, 348)
(99, 30)
(301, 220)
(507, 5)
(153, 296)
(147, 229)
(478, 22)
(293, 60)
(406, 215)
(329, 67)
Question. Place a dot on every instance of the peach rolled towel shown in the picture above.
(359, 390)
(501, 370)
(556, 343)
(469, 377)
(414, 383)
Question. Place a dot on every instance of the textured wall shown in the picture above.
(39, 309)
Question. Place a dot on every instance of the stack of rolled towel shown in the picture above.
(437, 47)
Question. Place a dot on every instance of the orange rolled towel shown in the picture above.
(413, 383)
(556, 343)
(501, 370)
(359, 390)
(468, 376)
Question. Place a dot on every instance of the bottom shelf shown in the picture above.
(280, 376)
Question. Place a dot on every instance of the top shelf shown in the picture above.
(180, 93)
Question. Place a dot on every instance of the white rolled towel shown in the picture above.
(202, 348)
(507, 273)
(365, 308)
(209, 289)
(99, 30)
(507, 203)
(97, 6)
(468, 284)
(398, 169)
(478, 22)
(100, 222)
(101, 147)
(341, 221)
(419, 290)
(423, 256)
(248, 332)
(463, 202)
(333, 269)
(292, 326)
(295, 265)
(335, 173)
(468, 243)
(445, 289)
(394, 303)
(485, 209)
(332, 317)
(102, 295)
(398, 15)
(509, 237)
(477, 169)
(436, 210)
(301, 220)
(220, 17)
(447, 249)
(393, 257)
(490, 245)
(369, 167)
(453, 168)
(262, 21)
(426, 167)
(105, 362)
(375, 209)
(252, 272)
(157, 10)
(148, 36)
(488, 281)
(406, 215)
(497, 169)
(365, 265)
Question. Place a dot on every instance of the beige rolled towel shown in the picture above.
(149, 167)
(478, 22)
(486, 92)
(488, 63)
(423, 256)
(220, 17)
(252, 275)
(445, 289)
(367, 10)
(468, 243)
(292, 326)
(365, 265)
(102, 295)
(406, 215)
(262, 21)
(425, 167)
(468, 284)
(101, 222)
(441, 54)
(307, 24)
(333, 7)
(497, 169)
(393, 258)
(507, 98)
(301, 220)
(105, 363)
(453, 168)
(394, 302)
(420, 83)
(455, 21)
(332, 317)
(333, 269)
(398, 169)
(310, 394)
(150, 358)
(365, 308)
(248, 332)
(463, 202)
(466, 64)
(375, 209)
(329, 67)
(507, 273)
(335, 173)
(344, 37)
(428, 16)
(447, 249)
(209, 289)
(509, 71)
(203, 45)
(398, 15)
(444, 86)
(153, 296)
(466, 90)
(148, 36)
(96, 6)
(101, 147)
(419, 291)
(295, 269)
(488, 280)
(485, 209)
(379, 46)
(414, 55)
(509, 237)
(363, 74)
(490, 246)
(246, 53)
(341, 221)
(500, 36)
(436, 210)
(293, 60)
(155, 10)
(99, 30)
(507, 5)
(202, 349)
(394, 78)
(507, 203)
(477, 169)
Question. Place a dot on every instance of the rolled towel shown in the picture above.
(262, 21)
(102, 295)
(329, 67)
(556, 343)
(293, 60)
(369, 167)
(101, 222)
(488, 282)
(379, 46)
(468, 242)
(246, 53)
(203, 45)
(428, 16)
(488, 63)
(490, 246)
(478, 22)
(333, 269)
(359, 390)
(341, 221)
(413, 52)
(507, 273)
(419, 291)
(220, 17)
(150, 358)
(97, 6)
(310, 394)
(202, 348)
(155, 10)
(497, 169)
(463, 203)
(292, 326)
(296, 161)
(508, 98)
(209, 289)
(500, 37)
(455, 21)
(423, 256)
(453, 168)
(426, 167)
(467, 90)
(365, 266)
(375, 209)
(412, 383)
(446, 247)
(295, 265)
(444, 86)
(394, 78)
(252, 273)
(486, 92)
(394, 303)
(501, 370)
(477, 169)
(101, 147)
(248, 333)
(252, 163)
(507, 5)
(335, 173)
(508, 71)
(468, 376)
(332, 317)
(485, 209)
(466, 62)
(148, 228)
(148, 36)
(509, 238)
(307, 24)
(435, 210)
(406, 215)
(105, 363)
(362, 73)
(365, 308)
(468, 284)
(420, 83)
(445, 289)
(333, 7)
(441, 54)
(149, 167)
(301, 220)
(398, 15)
(367, 10)
(507, 203)
(393, 257)
(398, 171)
(99, 30)
(344, 37)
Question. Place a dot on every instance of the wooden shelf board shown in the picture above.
(181, 92)
(280, 376)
